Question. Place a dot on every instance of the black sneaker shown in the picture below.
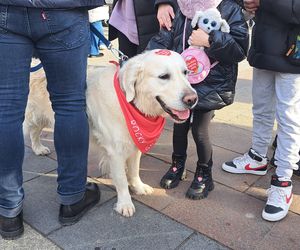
(70, 214)
(11, 228)
(175, 174)
(202, 183)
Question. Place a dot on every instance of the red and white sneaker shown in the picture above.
(249, 163)
(280, 198)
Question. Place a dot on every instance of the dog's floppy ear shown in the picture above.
(195, 19)
(129, 74)
(224, 26)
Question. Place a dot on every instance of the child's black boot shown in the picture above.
(202, 183)
(175, 173)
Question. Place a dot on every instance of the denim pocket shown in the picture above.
(3, 19)
(69, 28)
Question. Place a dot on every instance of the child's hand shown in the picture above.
(199, 38)
(165, 15)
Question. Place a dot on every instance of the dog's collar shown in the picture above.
(144, 130)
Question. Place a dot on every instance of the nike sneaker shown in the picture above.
(250, 163)
(280, 198)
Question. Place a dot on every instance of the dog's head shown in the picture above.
(210, 20)
(156, 83)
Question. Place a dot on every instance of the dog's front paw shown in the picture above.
(142, 189)
(125, 209)
(41, 150)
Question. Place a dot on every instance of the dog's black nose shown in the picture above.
(190, 99)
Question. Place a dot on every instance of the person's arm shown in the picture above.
(230, 47)
(287, 10)
(165, 12)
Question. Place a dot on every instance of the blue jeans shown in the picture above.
(62, 40)
(95, 41)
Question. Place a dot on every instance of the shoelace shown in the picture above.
(276, 196)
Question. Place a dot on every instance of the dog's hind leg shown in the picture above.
(135, 182)
(124, 204)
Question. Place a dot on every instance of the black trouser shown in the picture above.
(200, 130)
(127, 47)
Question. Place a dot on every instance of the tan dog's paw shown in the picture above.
(125, 209)
(41, 150)
(142, 189)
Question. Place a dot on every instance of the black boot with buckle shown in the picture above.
(175, 174)
(202, 183)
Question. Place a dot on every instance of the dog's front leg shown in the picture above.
(124, 204)
(37, 147)
(135, 182)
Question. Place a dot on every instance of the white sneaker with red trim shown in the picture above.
(250, 163)
(280, 198)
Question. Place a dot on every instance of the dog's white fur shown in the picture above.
(141, 81)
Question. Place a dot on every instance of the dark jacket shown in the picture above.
(147, 24)
(53, 4)
(274, 21)
(218, 88)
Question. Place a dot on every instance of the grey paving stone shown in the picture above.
(41, 205)
(105, 229)
(34, 165)
(31, 240)
(201, 242)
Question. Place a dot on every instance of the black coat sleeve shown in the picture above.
(162, 40)
(230, 47)
(286, 10)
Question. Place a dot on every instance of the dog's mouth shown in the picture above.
(177, 115)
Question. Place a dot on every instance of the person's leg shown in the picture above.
(287, 116)
(101, 45)
(202, 182)
(288, 136)
(127, 47)
(95, 40)
(177, 171)
(15, 57)
(263, 95)
(64, 58)
(200, 130)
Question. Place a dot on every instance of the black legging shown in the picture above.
(200, 131)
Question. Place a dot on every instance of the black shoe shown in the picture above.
(70, 214)
(274, 144)
(11, 228)
(175, 174)
(94, 56)
(202, 183)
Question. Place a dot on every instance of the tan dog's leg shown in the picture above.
(124, 204)
(35, 133)
(135, 183)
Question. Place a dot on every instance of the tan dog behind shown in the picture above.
(156, 84)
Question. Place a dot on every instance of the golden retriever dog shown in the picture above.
(155, 82)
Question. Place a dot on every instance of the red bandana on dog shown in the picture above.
(144, 131)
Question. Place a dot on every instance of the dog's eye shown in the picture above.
(185, 72)
(205, 21)
(165, 76)
(213, 24)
